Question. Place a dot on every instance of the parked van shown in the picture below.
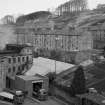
(6, 97)
(18, 98)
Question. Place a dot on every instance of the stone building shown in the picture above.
(31, 84)
(58, 40)
(15, 60)
(98, 33)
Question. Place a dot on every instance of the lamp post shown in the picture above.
(56, 39)
(55, 68)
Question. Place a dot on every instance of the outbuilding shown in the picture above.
(31, 84)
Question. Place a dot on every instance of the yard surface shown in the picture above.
(50, 101)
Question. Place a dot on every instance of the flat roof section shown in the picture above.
(28, 78)
(44, 66)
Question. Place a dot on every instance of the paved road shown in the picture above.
(5, 103)
(29, 102)
(50, 101)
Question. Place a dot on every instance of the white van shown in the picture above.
(6, 97)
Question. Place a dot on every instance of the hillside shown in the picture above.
(84, 19)
(32, 16)
(75, 20)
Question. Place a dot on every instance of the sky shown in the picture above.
(19, 7)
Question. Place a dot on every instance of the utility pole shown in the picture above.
(56, 39)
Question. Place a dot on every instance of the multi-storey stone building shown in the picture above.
(98, 33)
(14, 60)
(63, 41)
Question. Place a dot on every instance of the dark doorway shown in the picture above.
(37, 86)
(27, 58)
(36, 89)
(83, 101)
(8, 82)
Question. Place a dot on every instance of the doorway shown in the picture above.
(36, 88)
(8, 82)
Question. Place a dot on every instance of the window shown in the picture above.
(48, 28)
(23, 67)
(9, 70)
(23, 59)
(14, 69)
(27, 58)
(19, 68)
(18, 59)
(14, 60)
(9, 60)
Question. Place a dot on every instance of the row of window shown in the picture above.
(99, 35)
(62, 44)
(14, 69)
(18, 59)
(10, 69)
(65, 43)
